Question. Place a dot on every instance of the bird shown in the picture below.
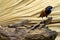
(46, 12)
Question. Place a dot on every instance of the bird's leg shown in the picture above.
(42, 19)
(46, 16)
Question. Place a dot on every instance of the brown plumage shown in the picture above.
(43, 14)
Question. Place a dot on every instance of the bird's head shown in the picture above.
(48, 9)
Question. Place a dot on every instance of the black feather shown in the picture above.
(48, 9)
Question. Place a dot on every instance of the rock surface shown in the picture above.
(39, 31)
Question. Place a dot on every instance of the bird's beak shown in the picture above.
(52, 9)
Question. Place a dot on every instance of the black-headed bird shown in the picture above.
(46, 12)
